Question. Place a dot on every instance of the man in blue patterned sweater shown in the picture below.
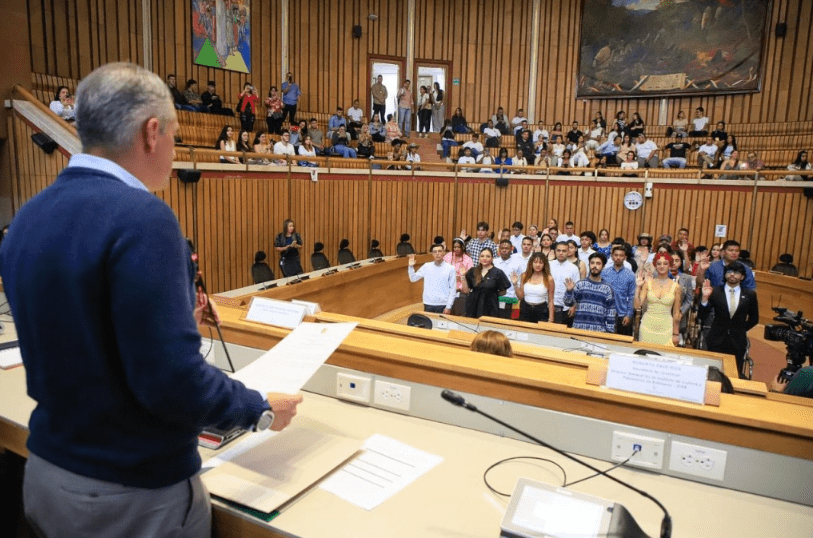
(593, 299)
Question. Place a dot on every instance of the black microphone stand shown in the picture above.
(202, 286)
(456, 399)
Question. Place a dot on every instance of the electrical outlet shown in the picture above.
(353, 387)
(391, 395)
(649, 456)
(698, 460)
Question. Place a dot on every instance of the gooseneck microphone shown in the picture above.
(458, 400)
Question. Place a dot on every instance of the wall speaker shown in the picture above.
(781, 29)
(501, 181)
(189, 176)
(45, 142)
(357, 31)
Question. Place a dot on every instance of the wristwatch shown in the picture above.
(265, 421)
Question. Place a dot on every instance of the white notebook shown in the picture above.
(10, 357)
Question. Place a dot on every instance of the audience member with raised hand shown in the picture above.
(535, 290)
(439, 278)
(801, 164)
(485, 284)
(622, 280)
(461, 262)
(591, 299)
(274, 106)
(661, 296)
(227, 142)
(63, 104)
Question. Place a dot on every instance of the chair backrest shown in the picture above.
(319, 261)
(404, 249)
(375, 253)
(261, 272)
(345, 256)
(419, 320)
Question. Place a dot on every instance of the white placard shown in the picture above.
(720, 230)
(274, 312)
(310, 308)
(657, 376)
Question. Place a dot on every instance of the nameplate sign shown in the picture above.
(274, 312)
(311, 309)
(657, 376)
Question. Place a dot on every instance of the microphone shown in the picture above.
(458, 400)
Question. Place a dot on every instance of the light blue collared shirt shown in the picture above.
(86, 160)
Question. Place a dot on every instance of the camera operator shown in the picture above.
(800, 385)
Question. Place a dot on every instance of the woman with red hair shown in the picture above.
(658, 295)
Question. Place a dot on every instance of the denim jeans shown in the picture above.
(447, 143)
(405, 120)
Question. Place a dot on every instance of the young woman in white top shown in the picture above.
(306, 149)
(226, 142)
(63, 105)
(535, 290)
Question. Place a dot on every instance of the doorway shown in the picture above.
(426, 74)
(390, 72)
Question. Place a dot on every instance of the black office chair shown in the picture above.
(345, 256)
(260, 271)
(419, 320)
(375, 252)
(404, 248)
(318, 258)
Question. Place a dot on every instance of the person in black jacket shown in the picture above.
(735, 313)
(288, 244)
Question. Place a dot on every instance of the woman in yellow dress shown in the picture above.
(661, 321)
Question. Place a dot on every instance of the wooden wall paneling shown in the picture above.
(801, 93)
(60, 37)
(36, 36)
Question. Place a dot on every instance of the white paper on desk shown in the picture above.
(384, 468)
(10, 357)
(287, 366)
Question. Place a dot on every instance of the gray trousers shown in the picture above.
(59, 503)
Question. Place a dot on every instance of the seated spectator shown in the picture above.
(307, 149)
(177, 96)
(541, 153)
(212, 101)
(493, 343)
(565, 162)
(520, 161)
(501, 121)
(516, 121)
(699, 123)
(579, 158)
(467, 158)
(608, 150)
(541, 132)
(504, 161)
(677, 154)
(284, 147)
(375, 251)
(63, 105)
(594, 136)
(729, 146)
(526, 144)
(732, 163)
(557, 149)
(274, 107)
(412, 157)
(226, 142)
(404, 247)
(753, 162)
(355, 117)
(192, 97)
(647, 152)
(679, 127)
(244, 142)
(377, 130)
(627, 145)
(474, 145)
(486, 159)
(337, 120)
(719, 134)
(397, 154)
(261, 145)
(447, 140)
(801, 164)
(707, 154)
(600, 120)
(636, 126)
(317, 137)
(391, 129)
(492, 135)
(365, 147)
(298, 133)
(345, 255)
(629, 163)
(621, 122)
(459, 124)
(341, 144)
(574, 133)
(785, 265)
(557, 131)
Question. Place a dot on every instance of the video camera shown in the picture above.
(797, 334)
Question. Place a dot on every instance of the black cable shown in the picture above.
(616, 466)
(485, 474)
(211, 344)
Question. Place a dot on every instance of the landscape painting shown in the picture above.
(221, 34)
(668, 47)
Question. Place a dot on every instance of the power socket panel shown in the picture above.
(353, 387)
(698, 460)
(649, 456)
(391, 395)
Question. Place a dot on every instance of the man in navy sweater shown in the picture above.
(100, 282)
